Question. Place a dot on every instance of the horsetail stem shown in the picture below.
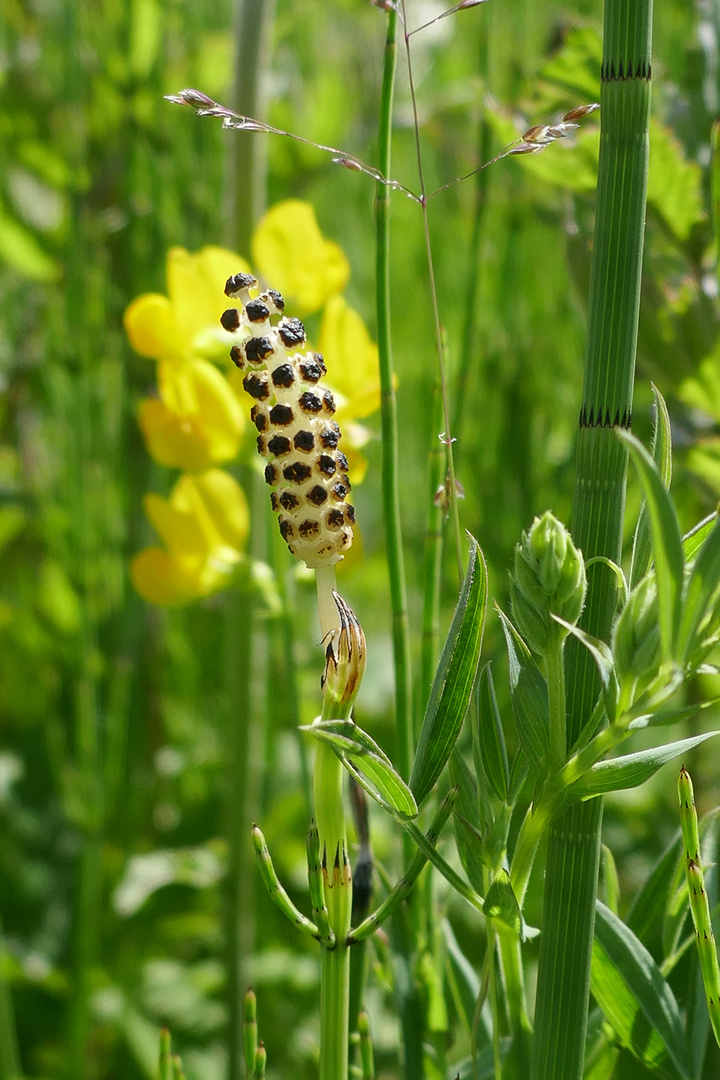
(260, 1062)
(293, 415)
(598, 509)
(393, 900)
(699, 904)
(276, 890)
(317, 888)
(367, 1061)
(249, 1030)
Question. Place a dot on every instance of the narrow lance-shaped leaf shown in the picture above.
(491, 738)
(501, 903)
(703, 583)
(631, 770)
(662, 455)
(528, 693)
(636, 999)
(694, 540)
(603, 657)
(645, 915)
(667, 543)
(452, 687)
(467, 823)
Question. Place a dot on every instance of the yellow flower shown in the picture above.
(294, 257)
(197, 420)
(204, 526)
(353, 374)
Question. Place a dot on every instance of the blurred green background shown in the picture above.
(114, 716)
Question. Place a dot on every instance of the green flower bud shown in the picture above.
(636, 635)
(548, 579)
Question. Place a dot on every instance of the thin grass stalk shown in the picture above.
(447, 434)
(432, 555)
(574, 844)
(247, 155)
(246, 173)
(404, 742)
(239, 907)
(409, 1004)
(482, 185)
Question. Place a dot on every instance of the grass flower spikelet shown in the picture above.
(293, 413)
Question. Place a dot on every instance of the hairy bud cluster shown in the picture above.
(548, 579)
(293, 415)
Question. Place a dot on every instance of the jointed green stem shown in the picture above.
(574, 846)
(390, 492)
(699, 904)
(276, 890)
(368, 926)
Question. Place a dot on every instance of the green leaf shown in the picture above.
(646, 914)
(694, 540)
(501, 903)
(368, 764)
(703, 583)
(667, 543)
(662, 455)
(528, 693)
(604, 662)
(465, 987)
(632, 769)
(452, 687)
(638, 1002)
(674, 184)
(491, 737)
(466, 822)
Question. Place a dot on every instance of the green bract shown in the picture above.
(548, 579)
(636, 636)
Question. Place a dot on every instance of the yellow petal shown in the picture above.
(150, 326)
(161, 579)
(351, 357)
(172, 440)
(195, 288)
(178, 528)
(220, 414)
(195, 391)
(293, 256)
(218, 505)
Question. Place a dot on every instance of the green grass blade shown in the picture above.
(662, 455)
(632, 769)
(646, 914)
(467, 822)
(703, 583)
(452, 687)
(667, 544)
(529, 696)
(626, 981)
(493, 750)
(694, 540)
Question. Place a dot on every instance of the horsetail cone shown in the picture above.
(548, 579)
(293, 414)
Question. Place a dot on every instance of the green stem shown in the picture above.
(432, 555)
(390, 486)
(335, 968)
(239, 906)
(247, 155)
(555, 671)
(598, 509)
